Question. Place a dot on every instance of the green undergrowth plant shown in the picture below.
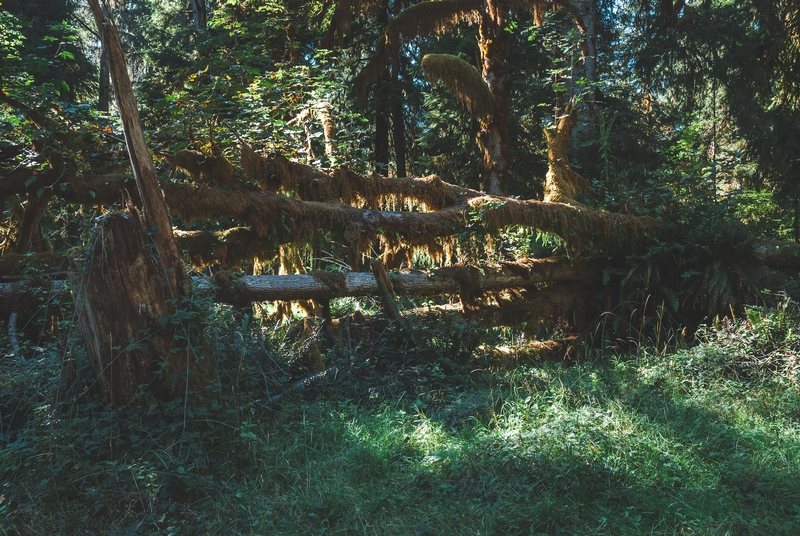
(395, 439)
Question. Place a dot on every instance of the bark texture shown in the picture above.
(493, 41)
(131, 282)
(125, 313)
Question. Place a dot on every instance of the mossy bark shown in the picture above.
(562, 182)
(126, 309)
(493, 136)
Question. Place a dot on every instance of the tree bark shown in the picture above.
(104, 97)
(399, 138)
(126, 316)
(381, 132)
(493, 137)
(156, 216)
(199, 15)
(450, 280)
(562, 182)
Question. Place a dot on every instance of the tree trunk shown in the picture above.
(131, 289)
(398, 129)
(381, 136)
(493, 136)
(199, 15)
(562, 182)
(382, 108)
(450, 280)
(104, 97)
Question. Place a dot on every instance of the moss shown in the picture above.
(210, 169)
(430, 18)
(277, 174)
(227, 249)
(463, 80)
(562, 182)
(333, 280)
(418, 20)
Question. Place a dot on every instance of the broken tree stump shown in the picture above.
(126, 310)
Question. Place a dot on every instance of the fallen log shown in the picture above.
(228, 288)
(450, 280)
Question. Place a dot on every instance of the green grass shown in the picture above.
(645, 444)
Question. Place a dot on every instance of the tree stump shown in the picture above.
(136, 338)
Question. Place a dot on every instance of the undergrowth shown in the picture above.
(395, 440)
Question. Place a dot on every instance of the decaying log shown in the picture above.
(84, 188)
(583, 228)
(344, 186)
(327, 285)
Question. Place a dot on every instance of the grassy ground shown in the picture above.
(703, 441)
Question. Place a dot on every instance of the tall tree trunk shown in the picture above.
(493, 136)
(381, 137)
(382, 109)
(104, 97)
(293, 11)
(132, 287)
(199, 14)
(398, 126)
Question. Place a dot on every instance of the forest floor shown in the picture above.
(704, 440)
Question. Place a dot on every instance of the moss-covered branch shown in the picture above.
(277, 174)
(463, 80)
(583, 228)
(83, 188)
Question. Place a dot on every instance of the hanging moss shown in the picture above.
(343, 13)
(430, 18)
(227, 249)
(210, 169)
(418, 20)
(277, 174)
(463, 80)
